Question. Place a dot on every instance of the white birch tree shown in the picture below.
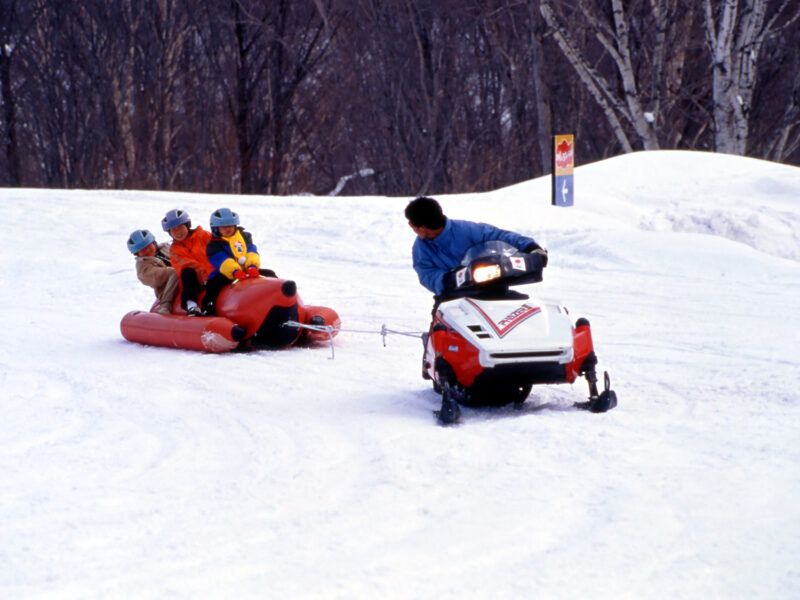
(630, 102)
(735, 33)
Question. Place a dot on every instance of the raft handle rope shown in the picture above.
(329, 329)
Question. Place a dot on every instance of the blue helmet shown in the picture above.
(222, 217)
(141, 238)
(175, 217)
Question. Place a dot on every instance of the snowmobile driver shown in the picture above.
(442, 242)
(437, 252)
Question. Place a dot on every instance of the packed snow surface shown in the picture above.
(142, 472)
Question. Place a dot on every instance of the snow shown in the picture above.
(132, 471)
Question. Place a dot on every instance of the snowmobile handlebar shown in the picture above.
(493, 266)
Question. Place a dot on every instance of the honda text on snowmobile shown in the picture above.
(488, 344)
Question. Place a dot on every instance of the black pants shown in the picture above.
(190, 286)
(213, 288)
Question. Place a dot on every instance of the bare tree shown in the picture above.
(782, 134)
(637, 38)
(382, 96)
(736, 31)
(17, 20)
(264, 54)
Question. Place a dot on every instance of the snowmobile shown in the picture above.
(251, 314)
(489, 344)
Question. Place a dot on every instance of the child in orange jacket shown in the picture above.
(188, 257)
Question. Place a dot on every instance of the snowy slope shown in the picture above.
(130, 471)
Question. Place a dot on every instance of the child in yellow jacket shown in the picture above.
(232, 253)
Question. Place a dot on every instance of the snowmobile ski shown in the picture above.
(449, 413)
(599, 403)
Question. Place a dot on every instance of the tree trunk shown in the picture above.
(622, 56)
(544, 113)
(597, 85)
(735, 37)
(11, 151)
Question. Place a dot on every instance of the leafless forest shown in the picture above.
(390, 97)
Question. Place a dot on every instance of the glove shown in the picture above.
(537, 249)
(450, 280)
(543, 253)
(239, 274)
(252, 272)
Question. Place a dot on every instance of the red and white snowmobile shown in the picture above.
(257, 313)
(489, 344)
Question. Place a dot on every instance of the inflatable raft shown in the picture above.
(259, 313)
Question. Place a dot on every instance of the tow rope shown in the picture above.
(330, 329)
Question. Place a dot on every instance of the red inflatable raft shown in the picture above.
(251, 314)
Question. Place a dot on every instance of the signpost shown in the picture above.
(563, 165)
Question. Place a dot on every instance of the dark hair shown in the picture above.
(425, 212)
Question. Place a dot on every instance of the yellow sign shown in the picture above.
(564, 148)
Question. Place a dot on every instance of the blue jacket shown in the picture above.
(433, 259)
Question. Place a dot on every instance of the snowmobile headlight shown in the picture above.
(486, 273)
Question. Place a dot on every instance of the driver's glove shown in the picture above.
(535, 248)
(450, 280)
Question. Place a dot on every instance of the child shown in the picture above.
(232, 253)
(188, 256)
(153, 268)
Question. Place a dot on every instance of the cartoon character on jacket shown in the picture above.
(153, 268)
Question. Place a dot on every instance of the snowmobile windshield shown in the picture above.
(487, 249)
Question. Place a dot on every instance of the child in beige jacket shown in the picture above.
(153, 268)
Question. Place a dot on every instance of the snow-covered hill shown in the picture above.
(131, 471)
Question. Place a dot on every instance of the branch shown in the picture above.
(597, 85)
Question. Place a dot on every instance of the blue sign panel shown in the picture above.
(563, 190)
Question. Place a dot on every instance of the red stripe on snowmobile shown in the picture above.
(510, 321)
